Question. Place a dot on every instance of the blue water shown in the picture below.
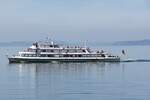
(77, 81)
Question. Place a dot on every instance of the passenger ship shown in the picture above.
(50, 51)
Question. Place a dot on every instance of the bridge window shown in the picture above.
(83, 51)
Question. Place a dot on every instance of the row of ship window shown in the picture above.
(66, 55)
(55, 51)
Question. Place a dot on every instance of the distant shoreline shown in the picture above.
(133, 43)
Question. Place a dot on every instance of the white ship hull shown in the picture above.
(63, 59)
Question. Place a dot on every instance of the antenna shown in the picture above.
(48, 39)
(85, 44)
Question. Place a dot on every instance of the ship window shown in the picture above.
(67, 51)
(56, 46)
(76, 55)
(66, 55)
(51, 45)
(52, 50)
(80, 55)
(43, 55)
(48, 50)
(84, 55)
(50, 55)
(30, 55)
(34, 55)
(83, 51)
(44, 50)
(25, 55)
(103, 55)
(71, 55)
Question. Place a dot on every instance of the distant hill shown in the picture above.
(138, 42)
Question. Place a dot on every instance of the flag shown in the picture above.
(123, 52)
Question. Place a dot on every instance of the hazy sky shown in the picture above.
(92, 20)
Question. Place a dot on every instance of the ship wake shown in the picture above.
(135, 60)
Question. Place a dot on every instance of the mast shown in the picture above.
(37, 48)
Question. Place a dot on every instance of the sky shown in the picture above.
(74, 20)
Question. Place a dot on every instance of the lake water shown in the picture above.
(77, 81)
